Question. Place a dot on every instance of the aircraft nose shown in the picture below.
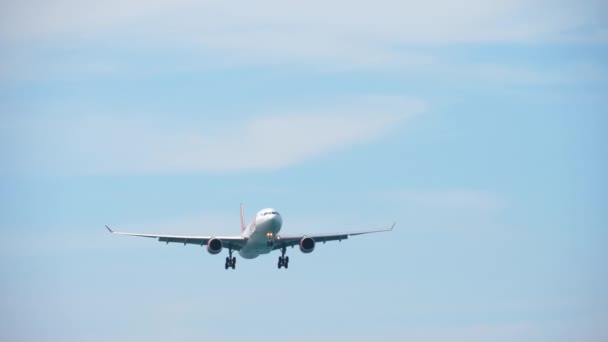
(277, 220)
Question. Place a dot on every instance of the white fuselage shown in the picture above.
(261, 233)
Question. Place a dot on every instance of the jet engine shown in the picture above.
(214, 246)
(307, 245)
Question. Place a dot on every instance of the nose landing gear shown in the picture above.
(270, 242)
(283, 260)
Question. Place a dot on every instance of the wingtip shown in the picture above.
(393, 226)
(110, 230)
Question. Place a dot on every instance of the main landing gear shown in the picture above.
(230, 260)
(283, 260)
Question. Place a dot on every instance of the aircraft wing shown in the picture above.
(292, 240)
(234, 242)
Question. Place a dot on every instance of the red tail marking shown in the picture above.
(242, 219)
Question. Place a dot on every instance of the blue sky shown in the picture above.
(478, 127)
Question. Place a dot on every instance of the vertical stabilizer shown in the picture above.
(242, 219)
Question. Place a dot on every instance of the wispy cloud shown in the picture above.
(399, 21)
(454, 198)
(464, 209)
(102, 144)
(388, 34)
(567, 73)
(358, 33)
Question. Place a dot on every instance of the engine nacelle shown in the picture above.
(307, 245)
(214, 246)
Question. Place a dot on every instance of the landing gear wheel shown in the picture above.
(230, 260)
(283, 260)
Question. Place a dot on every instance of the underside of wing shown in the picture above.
(233, 242)
(292, 240)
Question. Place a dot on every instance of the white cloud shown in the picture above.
(468, 210)
(449, 199)
(354, 32)
(385, 20)
(566, 73)
(116, 145)
(338, 35)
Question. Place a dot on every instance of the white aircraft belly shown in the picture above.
(258, 242)
(255, 248)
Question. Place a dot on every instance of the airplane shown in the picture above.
(260, 237)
